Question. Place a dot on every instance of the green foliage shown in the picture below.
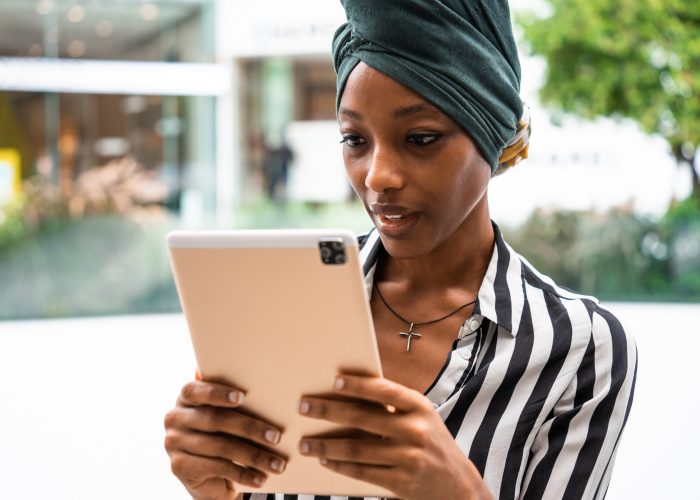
(107, 264)
(638, 59)
(616, 255)
(635, 59)
(682, 214)
(681, 225)
(116, 263)
(12, 224)
(549, 240)
(266, 214)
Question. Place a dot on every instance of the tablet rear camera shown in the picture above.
(332, 251)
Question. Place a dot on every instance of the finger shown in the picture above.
(228, 421)
(195, 471)
(382, 391)
(373, 419)
(224, 446)
(198, 393)
(365, 451)
(386, 477)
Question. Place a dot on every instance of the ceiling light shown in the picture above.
(76, 13)
(104, 28)
(76, 48)
(44, 7)
(149, 12)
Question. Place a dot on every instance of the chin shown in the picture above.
(405, 248)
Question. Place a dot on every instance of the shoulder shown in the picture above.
(598, 336)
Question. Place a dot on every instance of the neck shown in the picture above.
(460, 261)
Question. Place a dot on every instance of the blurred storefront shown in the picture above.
(287, 90)
(84, 83)
(113, 116)
(121, 120)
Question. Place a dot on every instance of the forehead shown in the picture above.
(367, 87)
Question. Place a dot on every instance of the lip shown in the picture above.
(394, 220)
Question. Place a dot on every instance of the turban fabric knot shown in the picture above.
(459, 55)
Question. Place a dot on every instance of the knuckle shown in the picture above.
(247, 476)
(321, 409)
(425, 404)
(356, 415)
(189, 391)
(241, 475)
(212, 393)
(178, 465)
(171, 419)
(215, 418)
(390, 392)
(251, 428)
(171, 441)
(352, 449)
(418, 431)
(221, 446)
(258, 459)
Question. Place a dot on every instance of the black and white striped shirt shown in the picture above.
(537, 387)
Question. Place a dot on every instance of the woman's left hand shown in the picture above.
(409, 451)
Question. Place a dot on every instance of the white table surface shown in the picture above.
(82, 404)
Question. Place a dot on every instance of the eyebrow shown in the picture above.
(401, 112)
(406, 111)
(350, 113)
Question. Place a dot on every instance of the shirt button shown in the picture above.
(466, 354)
(474, 324)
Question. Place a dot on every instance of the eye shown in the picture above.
(422, 139)
(353, 141)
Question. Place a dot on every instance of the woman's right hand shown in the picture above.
(213, 445)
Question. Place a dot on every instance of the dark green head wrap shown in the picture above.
(458, 54)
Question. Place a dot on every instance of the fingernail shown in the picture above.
(304, 447)
(339, 383)
(277, 465)
(259, 480)
(304, 407)
(272, 436)
(235, 397)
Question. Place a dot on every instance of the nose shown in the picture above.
(384, 171)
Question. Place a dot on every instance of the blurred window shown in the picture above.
(105, 175)
(130, 30)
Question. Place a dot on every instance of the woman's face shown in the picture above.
(419, 175)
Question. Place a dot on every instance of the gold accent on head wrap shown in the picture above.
(518, 148)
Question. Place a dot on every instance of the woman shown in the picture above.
(505, 385)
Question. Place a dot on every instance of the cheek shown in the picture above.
(467, 188)
(355, 173)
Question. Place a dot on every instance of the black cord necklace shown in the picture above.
(411, 333)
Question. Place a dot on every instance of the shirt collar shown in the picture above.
(501, 296)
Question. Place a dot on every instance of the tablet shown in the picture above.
(278, 313)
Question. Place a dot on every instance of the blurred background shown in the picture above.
(121, 120)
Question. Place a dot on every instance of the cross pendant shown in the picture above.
(409, 335)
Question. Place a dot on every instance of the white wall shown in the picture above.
(278, 28)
